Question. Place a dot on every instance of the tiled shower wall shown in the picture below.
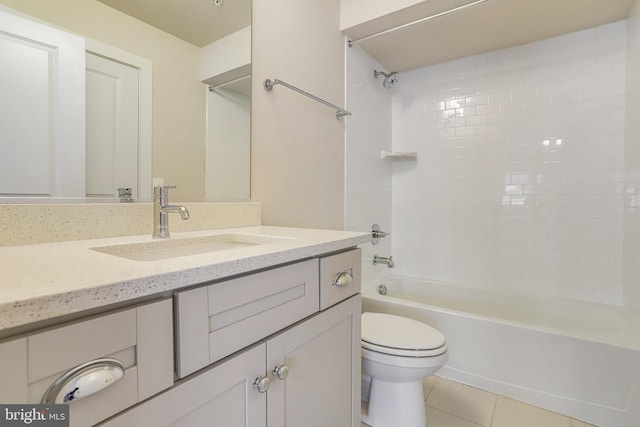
(518, 185)
(368, 178)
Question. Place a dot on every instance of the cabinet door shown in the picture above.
(322, 355)
(222, 396)
(140, 338)
(13, 371)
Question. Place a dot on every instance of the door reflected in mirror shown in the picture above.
(198, 141)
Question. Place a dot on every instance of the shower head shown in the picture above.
(390, 79)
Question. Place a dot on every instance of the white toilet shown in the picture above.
(397, 354)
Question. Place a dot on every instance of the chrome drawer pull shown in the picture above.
(84, 380)
(343, 279)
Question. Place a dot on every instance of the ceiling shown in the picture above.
(199, 22)
(495, 24)
(489, 26)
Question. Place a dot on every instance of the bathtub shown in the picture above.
(577, 358)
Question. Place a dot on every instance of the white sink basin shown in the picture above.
(171, 248)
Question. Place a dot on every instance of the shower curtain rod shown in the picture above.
(268, 86)
(421, 20)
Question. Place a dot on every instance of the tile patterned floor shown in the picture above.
(451, 404)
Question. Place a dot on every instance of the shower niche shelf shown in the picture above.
(399, 155)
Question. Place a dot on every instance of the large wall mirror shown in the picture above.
(198, 54)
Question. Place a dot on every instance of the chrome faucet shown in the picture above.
(382, 260)
(162, 209)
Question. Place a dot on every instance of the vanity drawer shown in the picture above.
(217, 320)
(340, 277)
(141, 339)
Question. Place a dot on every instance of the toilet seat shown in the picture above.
(397, 354)
(400, 336)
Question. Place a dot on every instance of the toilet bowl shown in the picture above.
(397, 354)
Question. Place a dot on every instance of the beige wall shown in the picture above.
(632, 191)
(632, 167)
(178, 95)
(297, 152)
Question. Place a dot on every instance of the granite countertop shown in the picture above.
(44, 281)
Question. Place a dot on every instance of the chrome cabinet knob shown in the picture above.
(261, 384)
(281, 371)
(343, 279)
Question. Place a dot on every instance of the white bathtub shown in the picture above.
(576, 358)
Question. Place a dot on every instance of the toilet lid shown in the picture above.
(399, 335)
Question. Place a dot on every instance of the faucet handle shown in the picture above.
(166, 187)
(377, 234)
(162, 190)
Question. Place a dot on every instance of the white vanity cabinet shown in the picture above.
(320, 390)
(140, 339)
(322, 356)
(293, 364)
(222, 395)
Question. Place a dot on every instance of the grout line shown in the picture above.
(426, 397)
(493, 413)
(495, 404)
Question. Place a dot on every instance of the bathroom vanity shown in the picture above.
(260, 334)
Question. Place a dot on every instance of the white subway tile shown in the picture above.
(476, 120)
(455, 103)
(477, 100)
(485, 179)
(511, 105)
(447, 114)
(466, 112)
(466, 131)
(564, 97)
(447, 133)
(488, 108)
(537, 101)
(500, 97)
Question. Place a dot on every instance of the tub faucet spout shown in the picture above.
(162, 209)
(382, 260)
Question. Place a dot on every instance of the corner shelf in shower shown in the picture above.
(399, 155)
